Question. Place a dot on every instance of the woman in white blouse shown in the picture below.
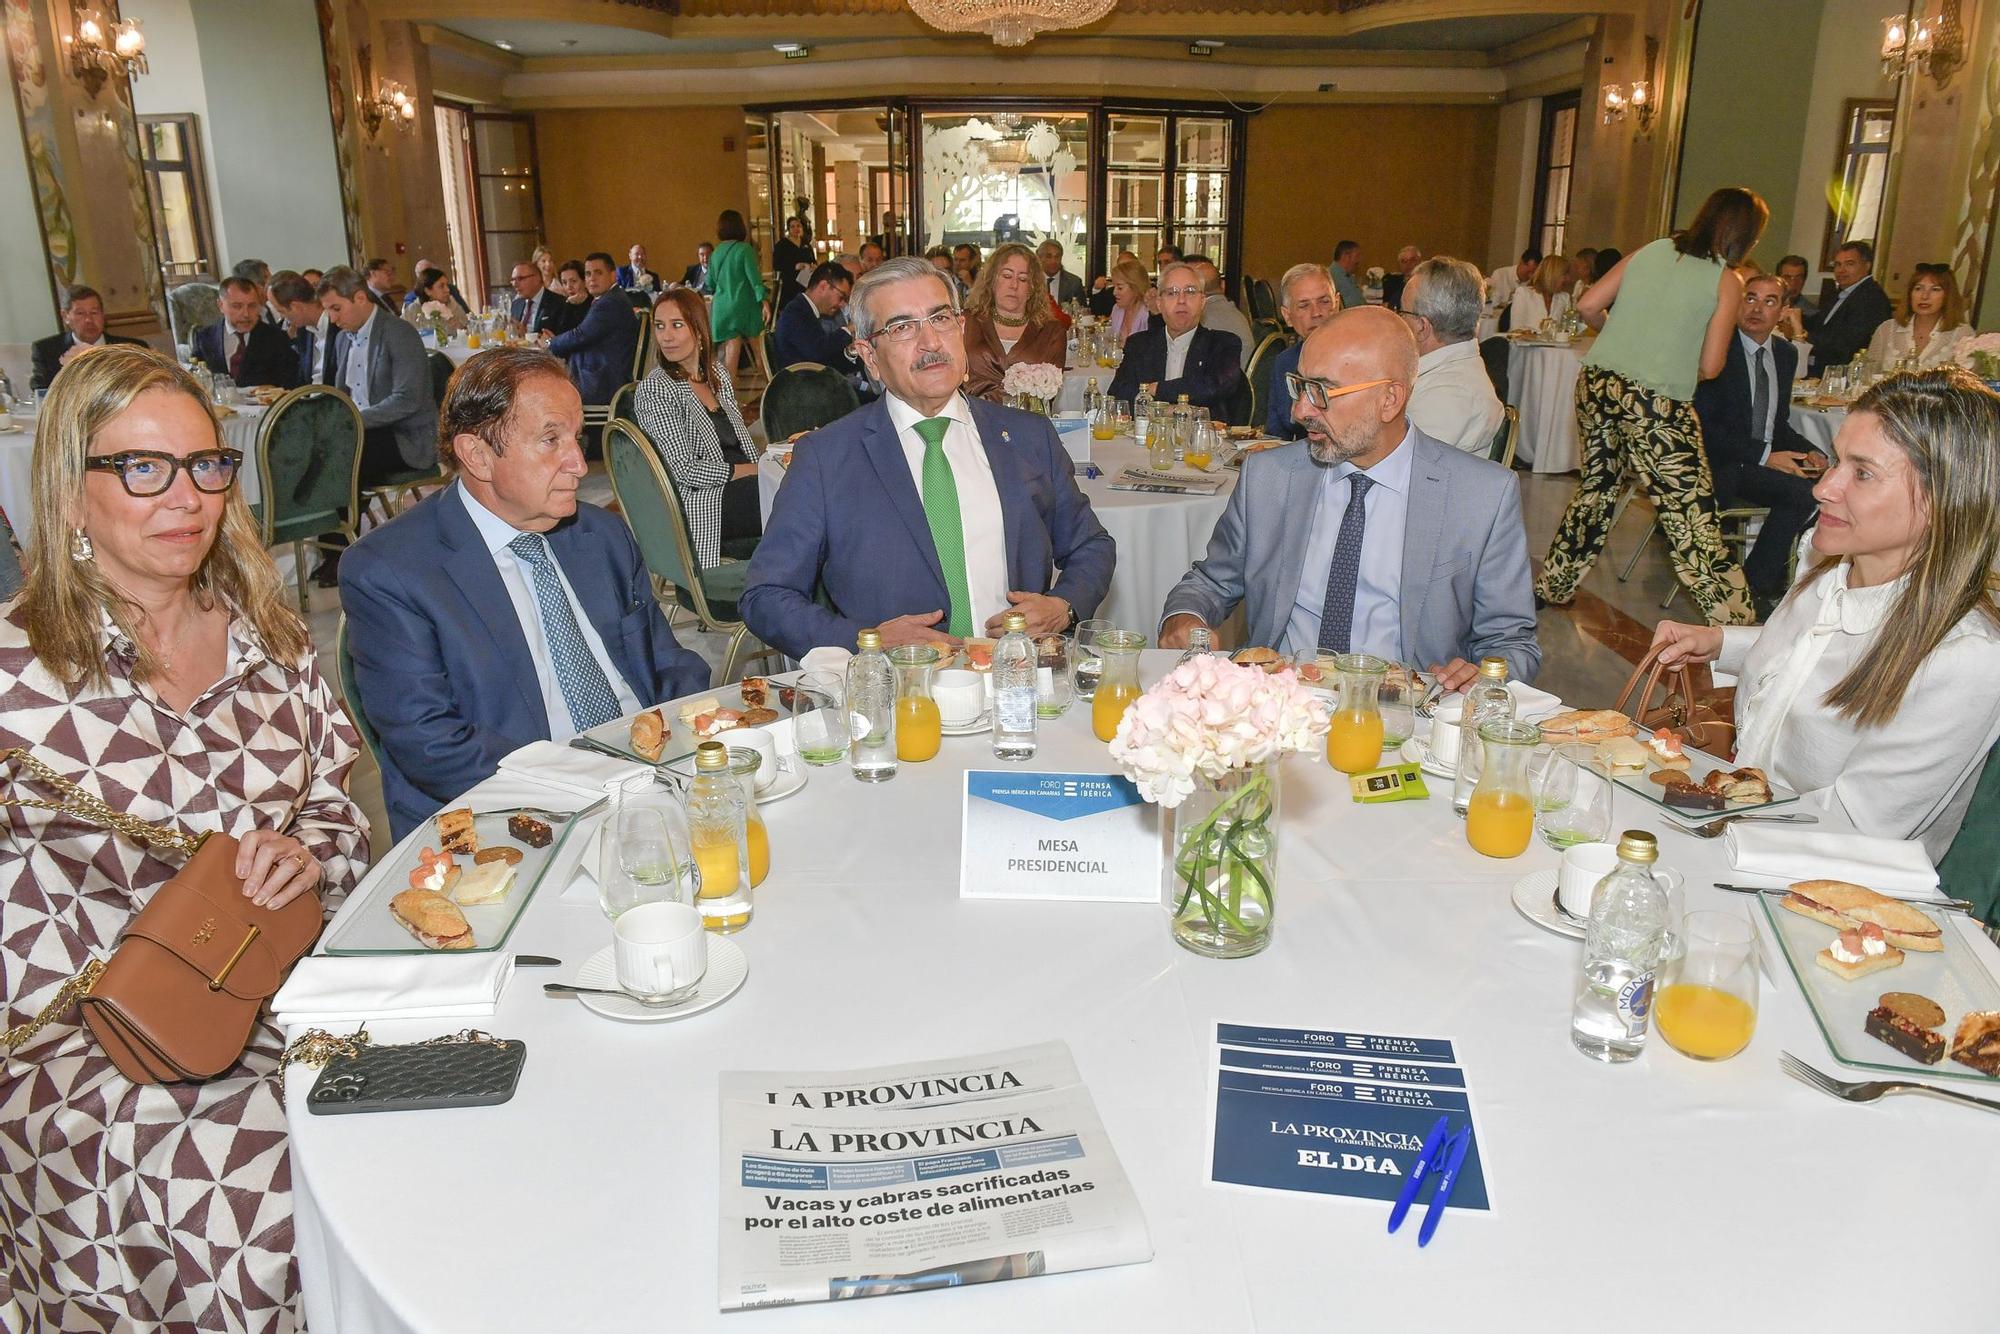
(687, 408)
(1875, 687)
(1932, 322)
(1546, 296)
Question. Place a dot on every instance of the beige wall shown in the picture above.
(1385, 176)
(655, 175)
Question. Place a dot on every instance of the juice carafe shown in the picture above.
(716, 826)
(1500, 819)
(1354, 738)
(743, 765)
(1118, 681)
(917, 722)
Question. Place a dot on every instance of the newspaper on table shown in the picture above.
(935, 1174)
(1169, 483)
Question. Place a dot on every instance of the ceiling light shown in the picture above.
(1204, 46)
(504, 46)
(792, 50)
(1010, 22)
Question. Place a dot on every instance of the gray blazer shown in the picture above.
(399, 390)
(1466, 585)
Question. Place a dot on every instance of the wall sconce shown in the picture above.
(1637, 98)
(1932, 44)
(390, 104)
(101, 46)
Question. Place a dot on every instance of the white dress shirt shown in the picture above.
(354, 371)
(1378, 615)
(1055, 289)
(1501, 285)
(1894, 339)
(519, 579)
(979, 517)
(1909, 778)
(1453, 400)
(1751, 347)
(1177, 350)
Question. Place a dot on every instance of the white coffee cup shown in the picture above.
(660, 951)
(1583, 865)
(766, 746)
(960, 696)
(1444, 734)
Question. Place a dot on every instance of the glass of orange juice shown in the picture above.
(1118, 679)
(1500, 821)
(1706, 1006)
(1354, 734)
(919, 726)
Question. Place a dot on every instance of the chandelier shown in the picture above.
(1010, 22)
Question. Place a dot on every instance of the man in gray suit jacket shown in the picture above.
(384, 369)
(1368, 536)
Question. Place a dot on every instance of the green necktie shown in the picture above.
(947, 533)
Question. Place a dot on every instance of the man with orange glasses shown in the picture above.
(1368, 536)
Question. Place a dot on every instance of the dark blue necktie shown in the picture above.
(1336, 615)
(585, 688)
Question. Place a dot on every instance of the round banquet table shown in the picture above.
(1159, 536)
(1818, 425)
(1541, 382)
(589, 1202)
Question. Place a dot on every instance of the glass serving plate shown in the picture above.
(617, 735)
(370, 929)
(1700, 766)
(1954, 978)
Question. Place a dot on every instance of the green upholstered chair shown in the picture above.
(622, 404)
(1507, 439)
(804, 397)
(441, 369)
(651, 504)
(1971, 868)
(308, 469)
(1258, 376)
(369, 736)
(1263, 301)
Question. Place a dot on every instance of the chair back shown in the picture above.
(1971, 866)
(646, 354)
(804, 397)
(352, 697)
(1258, 374)
(652, 507)
(623, 403)
(1493, 351)
(766, 346)
(1263, 301)
(309, 464)
(190, 306)
(1507, 438)
(441, 369)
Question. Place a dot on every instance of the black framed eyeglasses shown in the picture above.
(902, 331)
(1319, 393)
(149, 472)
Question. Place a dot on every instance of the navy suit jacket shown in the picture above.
(48, 352)
(1209, 377)
(440, 660)
(600, 348)
(628, 277)
(1278, 414)
(270, 357)
(849, 521)
(801, 335)
(1723, 405)
(1840, 334)
(554, 314)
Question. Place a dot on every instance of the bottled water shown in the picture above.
(1183, 426)
(1488, 699)
(1014, 666)
(871, 711)
(1142, 416)
(1621, 949)
(1201, 641)
(1093, 401)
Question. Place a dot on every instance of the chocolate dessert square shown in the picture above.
(1919, 1044)
(528, 830)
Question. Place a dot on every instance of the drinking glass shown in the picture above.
(1572, 796)
(644, 855)
(1396, 700)
(1121, 423)
(819, 718)
(1055, 675)
(1084, 660)
(1706, 1006)
(1202, 448)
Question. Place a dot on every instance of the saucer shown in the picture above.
(1419, 753)
(786, 783)
(983, 723)
(727, 967)
(1535, 899)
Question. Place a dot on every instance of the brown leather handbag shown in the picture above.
(179, 995)
(1692, 705)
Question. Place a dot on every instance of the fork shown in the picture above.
(547, 816)
(1716, 828)
(1875, 1088)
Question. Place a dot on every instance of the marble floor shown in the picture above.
(1588, 649)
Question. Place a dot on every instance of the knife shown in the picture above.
(536, 961)
(1428, 1155)
(1456, 1158)
(1942, 905)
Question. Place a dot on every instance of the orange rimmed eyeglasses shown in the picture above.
(1319, 393)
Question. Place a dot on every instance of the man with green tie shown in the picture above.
(925, 513)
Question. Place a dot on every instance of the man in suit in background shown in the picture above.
(1347, 263)
(1064, 286)
(1407, 260)
(535, 309)
(258, 272)
(1177, 355)
(500, 610)
(1307, 300)
(1453, 399)
(808, 329)
(1368, 536)
(311, 328)
(696, 274)
(1219, 312)
(381, 277)
(925, 514)
(1755, 455)
(1841, 332)
(83, 329)
(1793, 270)
(634, 276)
(241, 345)
(601, 346)
(383, 368)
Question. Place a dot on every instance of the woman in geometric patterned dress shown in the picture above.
(153, 659)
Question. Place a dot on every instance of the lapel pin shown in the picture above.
(1005, 438)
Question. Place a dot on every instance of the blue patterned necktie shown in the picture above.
(585, 688)
(1336, 616)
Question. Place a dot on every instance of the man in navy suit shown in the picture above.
(1753, 452)
(808, 327)
(83, 329)
(501, 611)
(1307, 300)
(241, 345)
(1840, 332)
(635, 276)
(925, 514)
(535, 308)
(310, 328)
(1177, 355)
(601, 347)
(696, 274)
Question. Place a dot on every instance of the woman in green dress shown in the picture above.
(738, 284)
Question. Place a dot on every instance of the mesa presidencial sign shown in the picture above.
(1057, 836)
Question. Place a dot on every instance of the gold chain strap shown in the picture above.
(316, 1046)
(71, 992)
(84, 806)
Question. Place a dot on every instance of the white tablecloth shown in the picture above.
(1158, 536)
(589, 1201)
(1076, 386)
(1818, 425)
(1541, 382)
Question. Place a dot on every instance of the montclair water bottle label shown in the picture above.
(1016, 709)
(1635, 999)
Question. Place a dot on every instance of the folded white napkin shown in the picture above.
(351, 989)
(1530, 703)
(826, 658)
(1892, 866)
(584, 772)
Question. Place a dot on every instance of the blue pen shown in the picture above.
(1435, 1214)
(1425, 1157)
